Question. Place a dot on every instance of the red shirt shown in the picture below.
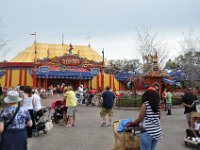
(92, 92)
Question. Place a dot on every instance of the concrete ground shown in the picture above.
(89, 135)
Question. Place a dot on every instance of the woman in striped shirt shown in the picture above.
(149, 118)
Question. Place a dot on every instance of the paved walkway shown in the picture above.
(89, 135)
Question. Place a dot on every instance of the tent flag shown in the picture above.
(170, 81)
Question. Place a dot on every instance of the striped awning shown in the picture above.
(64, 75)
(122, 78)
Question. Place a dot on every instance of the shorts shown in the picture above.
(187, 115)
(105, 111)
(71, 110)
(168, 106)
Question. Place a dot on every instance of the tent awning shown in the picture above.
(170, 81)
(64, 75)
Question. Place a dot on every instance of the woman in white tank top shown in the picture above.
(28, 104)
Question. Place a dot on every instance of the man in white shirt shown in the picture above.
(80, 92)
(36, 102)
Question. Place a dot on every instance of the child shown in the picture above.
(193, 132)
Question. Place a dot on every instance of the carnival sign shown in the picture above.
(95, 71)
(70, 61)
(43, 69)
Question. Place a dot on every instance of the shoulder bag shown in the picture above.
(11, 120)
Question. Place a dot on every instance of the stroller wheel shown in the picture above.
(186, 143)
(56, 120)
(52, 118)
(36, 134)
(44, 131)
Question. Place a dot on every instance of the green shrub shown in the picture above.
(128, 101)
(176, 101)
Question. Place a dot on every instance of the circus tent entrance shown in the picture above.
(67, 69)
(55, 82)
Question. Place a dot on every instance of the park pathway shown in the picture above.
(89, 135)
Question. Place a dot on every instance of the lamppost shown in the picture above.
(102, 72)
(34, 61)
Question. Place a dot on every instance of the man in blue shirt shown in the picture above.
(108, 98)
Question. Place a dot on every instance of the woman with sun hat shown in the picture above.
(13, 122)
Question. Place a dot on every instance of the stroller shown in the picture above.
(191, 138)
(90, 100)
(126, 140)
(42, 121)
(58, 113)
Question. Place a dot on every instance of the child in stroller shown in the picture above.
(58, 113)
(41, 117)
(90, 101)
(192, 134)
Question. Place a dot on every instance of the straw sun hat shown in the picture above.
(12, 97)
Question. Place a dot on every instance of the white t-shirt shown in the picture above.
(80, 90)
(37, 102)
(28, 102)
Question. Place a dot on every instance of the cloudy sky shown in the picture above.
(108, 24)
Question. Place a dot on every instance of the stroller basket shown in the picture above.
(125, 140)
(41, 118)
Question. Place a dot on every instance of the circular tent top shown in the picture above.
(28, 54)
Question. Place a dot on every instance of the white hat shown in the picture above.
(12, 97)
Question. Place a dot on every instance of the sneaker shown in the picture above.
(103, 124)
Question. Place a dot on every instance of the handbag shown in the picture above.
(48, 125)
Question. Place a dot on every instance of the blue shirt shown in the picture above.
(20, 120)
(108, 99)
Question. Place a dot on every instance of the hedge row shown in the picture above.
(136, 102)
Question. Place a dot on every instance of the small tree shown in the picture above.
(189, 61)
(147, 41)
(3, 44)
(125, 65)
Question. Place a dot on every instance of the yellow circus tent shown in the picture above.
(19, 70)
(55, 50)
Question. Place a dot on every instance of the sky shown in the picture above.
(105, 24)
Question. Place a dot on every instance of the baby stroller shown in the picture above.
(42, 121)
(90, 100)
(127, 139)
(58, 113)
(191, 138)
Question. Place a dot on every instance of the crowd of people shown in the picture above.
(17, 120)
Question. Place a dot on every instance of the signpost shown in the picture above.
(43, 69)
